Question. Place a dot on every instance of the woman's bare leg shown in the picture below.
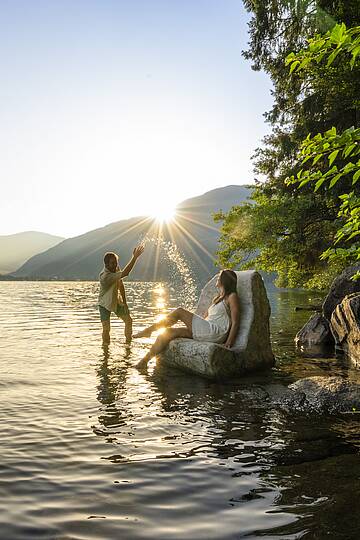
(179, 314)
(163, 341)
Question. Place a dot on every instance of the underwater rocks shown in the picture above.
(314, 395)
(323, 395)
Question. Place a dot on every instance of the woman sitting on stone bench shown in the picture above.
(220, 325)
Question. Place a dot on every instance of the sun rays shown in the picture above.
(176, 230)
(167, 227)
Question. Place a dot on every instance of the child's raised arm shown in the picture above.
(130, 265)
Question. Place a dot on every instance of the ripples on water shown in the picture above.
(92, 449)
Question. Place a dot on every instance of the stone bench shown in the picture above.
(252, 348)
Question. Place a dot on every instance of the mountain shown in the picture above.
(193, 232)
(15, 249)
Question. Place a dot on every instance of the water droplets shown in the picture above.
(182, 282)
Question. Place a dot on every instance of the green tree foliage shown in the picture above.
(286, 230)
(331, 158)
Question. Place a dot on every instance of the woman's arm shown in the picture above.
(234, 305)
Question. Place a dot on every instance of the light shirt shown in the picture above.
(109, 289)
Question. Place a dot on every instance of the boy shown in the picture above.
(112, 293)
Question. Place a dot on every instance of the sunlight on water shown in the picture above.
(93, 449)
(182, 279)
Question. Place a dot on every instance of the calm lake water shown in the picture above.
(93, 449)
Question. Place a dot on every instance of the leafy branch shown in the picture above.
(331, 157)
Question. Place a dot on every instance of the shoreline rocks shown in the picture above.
(342, 286)
(345, 325)
(339, 323)
(315, 337)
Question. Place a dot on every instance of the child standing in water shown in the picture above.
(112, 298)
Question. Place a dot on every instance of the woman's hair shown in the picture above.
(228, 281)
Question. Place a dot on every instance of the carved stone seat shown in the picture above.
(252, 348)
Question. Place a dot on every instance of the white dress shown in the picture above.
(215, 327)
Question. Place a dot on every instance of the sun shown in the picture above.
(163, 213)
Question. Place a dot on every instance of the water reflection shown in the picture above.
(111, 380)
(161, 454)
(217, 422)
(271, 457)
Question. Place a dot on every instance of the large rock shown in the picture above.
(341, 287)
(315, 337)
(327, 394)
(252, 348)
(345, 324)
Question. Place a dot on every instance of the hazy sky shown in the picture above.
(111, 109)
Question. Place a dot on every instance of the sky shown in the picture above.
(116, 108)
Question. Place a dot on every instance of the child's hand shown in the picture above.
(138, 251)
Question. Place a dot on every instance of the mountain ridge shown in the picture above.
(17, 248)
(193, 232)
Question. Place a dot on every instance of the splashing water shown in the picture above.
(182, 281)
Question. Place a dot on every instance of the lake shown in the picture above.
(93, 449)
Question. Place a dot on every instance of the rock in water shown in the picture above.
(252, 348)
(315, 337)
(341, 287)
(328, 394)
(345, 324)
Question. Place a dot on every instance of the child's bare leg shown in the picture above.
(128, 328)
(106, 332)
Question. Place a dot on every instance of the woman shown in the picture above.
(220, 325)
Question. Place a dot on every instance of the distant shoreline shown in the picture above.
(14, 278)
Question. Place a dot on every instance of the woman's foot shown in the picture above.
(144, 333)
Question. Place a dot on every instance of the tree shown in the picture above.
(287, 230)
(333, 158)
